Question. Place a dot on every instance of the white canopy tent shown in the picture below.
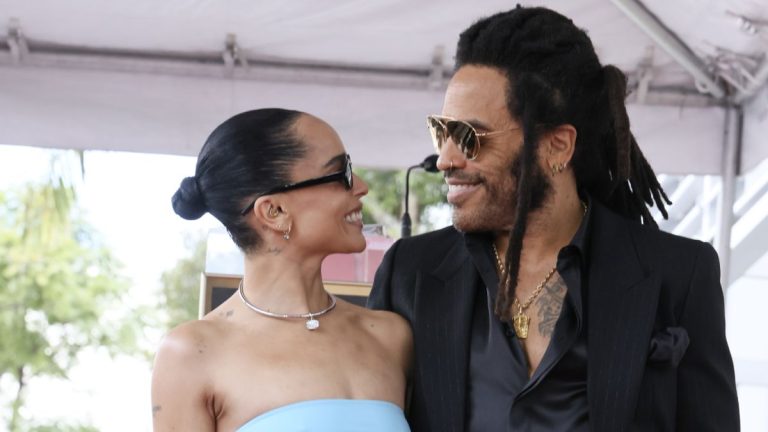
(156, 77)
(148, 77)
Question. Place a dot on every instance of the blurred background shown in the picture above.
(104, 106)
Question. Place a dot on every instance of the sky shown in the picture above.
(126, 197)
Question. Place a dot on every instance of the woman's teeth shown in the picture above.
(354, 217)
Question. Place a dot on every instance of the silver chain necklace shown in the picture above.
(312, 323)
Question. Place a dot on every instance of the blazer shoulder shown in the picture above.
(448, 233)
(672, 255)
(663, 242)
(419, 245)
(658, 251)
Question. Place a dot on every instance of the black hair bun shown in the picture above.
(188, 201)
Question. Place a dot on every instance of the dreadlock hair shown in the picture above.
(555, 78)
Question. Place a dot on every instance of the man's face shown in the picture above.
(483, 191)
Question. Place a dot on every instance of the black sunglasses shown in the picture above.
(344, 176)
(466, 137)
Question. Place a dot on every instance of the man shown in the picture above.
(553, 303)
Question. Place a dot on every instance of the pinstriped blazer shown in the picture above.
(657, 355)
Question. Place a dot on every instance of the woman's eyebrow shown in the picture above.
(336, 160)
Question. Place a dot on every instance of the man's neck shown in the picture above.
(549, 228)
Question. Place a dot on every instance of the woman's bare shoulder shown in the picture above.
(389, 328)
(190, 341)
(181, 385)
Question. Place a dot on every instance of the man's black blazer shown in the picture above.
(657, 354)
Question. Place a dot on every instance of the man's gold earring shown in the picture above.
(272, 212)
(557, 168)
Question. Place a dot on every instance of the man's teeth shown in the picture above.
(354, 217)
(459, 187)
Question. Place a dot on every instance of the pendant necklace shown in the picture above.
(311, 317)
(520, 320)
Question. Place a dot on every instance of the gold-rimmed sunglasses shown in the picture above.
(466, 137)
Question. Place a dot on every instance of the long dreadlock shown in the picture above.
(555, 78)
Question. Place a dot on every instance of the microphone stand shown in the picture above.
(430, 165)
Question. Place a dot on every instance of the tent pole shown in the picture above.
(668, 41)
(731, 149)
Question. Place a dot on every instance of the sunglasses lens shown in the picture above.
(348, 177)
(437, 131)
(464, 136)
(462, 133)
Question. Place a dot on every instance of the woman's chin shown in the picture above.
(360, 245)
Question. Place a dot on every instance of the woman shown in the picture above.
(282, 354)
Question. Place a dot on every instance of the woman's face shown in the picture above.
(326, 218)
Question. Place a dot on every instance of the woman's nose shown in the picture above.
(360, 186)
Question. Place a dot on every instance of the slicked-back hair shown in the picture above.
(555, 78)
(243, 157)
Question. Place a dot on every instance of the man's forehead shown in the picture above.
(476, 92)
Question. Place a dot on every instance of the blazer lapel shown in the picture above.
(443, 306)
(622, 301)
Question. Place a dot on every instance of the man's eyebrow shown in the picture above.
(336, 160)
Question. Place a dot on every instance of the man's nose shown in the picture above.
(450, 157)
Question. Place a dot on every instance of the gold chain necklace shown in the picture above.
(521, 321)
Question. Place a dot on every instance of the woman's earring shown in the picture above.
(287, 233)
(272, 212)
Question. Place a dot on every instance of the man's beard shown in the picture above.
(498, 212)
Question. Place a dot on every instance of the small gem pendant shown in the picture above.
(312, 324)
(520, 322)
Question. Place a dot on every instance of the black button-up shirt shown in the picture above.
(501, 397)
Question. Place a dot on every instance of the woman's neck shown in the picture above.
(281, 283)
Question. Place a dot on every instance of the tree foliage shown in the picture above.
(181, 284)
(386, 196)
(57, 281)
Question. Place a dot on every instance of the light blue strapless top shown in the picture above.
(331, 415)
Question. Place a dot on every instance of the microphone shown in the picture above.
(429, 165)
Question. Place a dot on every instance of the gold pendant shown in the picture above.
(520, 322)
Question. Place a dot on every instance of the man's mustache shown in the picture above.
(463, 176)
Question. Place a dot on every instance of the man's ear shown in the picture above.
(559, 144)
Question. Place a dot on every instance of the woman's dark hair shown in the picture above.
(246, 155)
(555, 78)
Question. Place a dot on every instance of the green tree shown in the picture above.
(181, 284)
(385, 200)
(57, 280)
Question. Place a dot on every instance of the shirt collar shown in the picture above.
(579, 240)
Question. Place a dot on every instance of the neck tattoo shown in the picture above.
(521, 321)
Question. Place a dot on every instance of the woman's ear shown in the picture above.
(271, 214)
